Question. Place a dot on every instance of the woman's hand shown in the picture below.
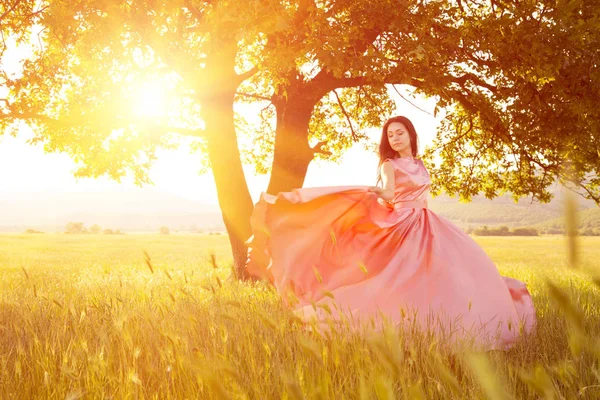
(385, 203)
(381, 192)
(376, 189)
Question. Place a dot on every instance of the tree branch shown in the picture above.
(477, 60)
(194, 11)
(375, 103)
(331, 83)
(318, 148)
(243, 76)
(590, 194)
(408, 101)
(271, 104)
(354, 135)
(461, 80)
(326, 78)
(254, 96)
(459, 137)
(35, 13)
(462, 99)
(10, 9)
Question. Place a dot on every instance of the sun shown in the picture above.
(150, 100)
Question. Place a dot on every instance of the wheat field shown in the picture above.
(157, 317)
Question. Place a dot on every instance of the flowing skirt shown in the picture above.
(336, 253)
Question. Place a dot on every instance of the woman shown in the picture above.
(364, 254)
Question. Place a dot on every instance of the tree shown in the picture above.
(306, 65)
(524, 231)
(84, 75)
(75, 228)
(95, 229)
(164, 230)
(520, 111)
(536, 120)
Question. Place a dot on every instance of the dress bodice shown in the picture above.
(411, 180)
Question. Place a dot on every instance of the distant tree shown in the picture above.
(95, 229)
(32, 231)
(502, 230)
(590, 232)
(505, 231)
(164, 230)
(75, 228)
(484, 231)
(108, 232)
(524, 231)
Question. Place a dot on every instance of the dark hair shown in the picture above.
(386, 151)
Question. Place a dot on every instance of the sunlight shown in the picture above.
(150, 100)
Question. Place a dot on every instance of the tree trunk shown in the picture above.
(292, 153)
(224, 155)
(232, 191)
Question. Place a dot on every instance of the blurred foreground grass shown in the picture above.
(87, 317)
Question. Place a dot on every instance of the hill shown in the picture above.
(491, 213)
(504, 210)
(587, 221)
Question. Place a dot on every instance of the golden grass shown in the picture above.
(95, 317)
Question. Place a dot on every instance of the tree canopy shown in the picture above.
(517, 82)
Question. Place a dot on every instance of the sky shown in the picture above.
(27, 168)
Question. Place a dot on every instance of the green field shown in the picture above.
(87, 317)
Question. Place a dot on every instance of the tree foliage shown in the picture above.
(75, 228)
(518, 82)
(535, 119)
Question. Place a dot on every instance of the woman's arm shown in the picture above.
(387, 178)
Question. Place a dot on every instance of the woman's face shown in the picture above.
(399, 138)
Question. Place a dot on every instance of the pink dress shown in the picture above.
(336, 253)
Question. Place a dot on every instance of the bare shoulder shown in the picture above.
(388, 163)
(388, 171)
(387, 166)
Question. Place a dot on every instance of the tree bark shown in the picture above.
(224, 155)
(232, 191)
(292, 152)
